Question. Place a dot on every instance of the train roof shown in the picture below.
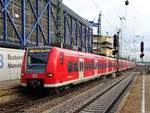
(73, 52)
(88, 55)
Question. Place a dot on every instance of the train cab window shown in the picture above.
(70, 65)
(76, 67)
(37, 59)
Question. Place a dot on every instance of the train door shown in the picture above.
(81, 65)
(96, 70)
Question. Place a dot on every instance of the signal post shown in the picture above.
(116, 50)
(142, 54)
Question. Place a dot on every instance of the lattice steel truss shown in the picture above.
(33, 22)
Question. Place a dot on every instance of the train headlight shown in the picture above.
(49, 75)
(22, 74)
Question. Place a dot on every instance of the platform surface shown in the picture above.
(138, 99)
(9, 84)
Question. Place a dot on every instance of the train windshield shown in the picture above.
(37, 60)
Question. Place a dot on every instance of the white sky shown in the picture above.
(137, 15)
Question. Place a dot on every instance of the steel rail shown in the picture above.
(106, 90)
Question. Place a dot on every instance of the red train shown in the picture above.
(52, 67)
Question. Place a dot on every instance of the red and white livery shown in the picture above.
(55, 67)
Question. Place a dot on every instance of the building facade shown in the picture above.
(26, 23)
(103, 45)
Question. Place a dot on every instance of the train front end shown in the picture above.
(33, 72)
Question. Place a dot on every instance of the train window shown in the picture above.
(70, 65)
(104, 65)
(95, 65)
(110, 64)
(85, 66)
(98, 65)
(76, 67)
(89, 65)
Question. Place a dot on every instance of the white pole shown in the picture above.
(143, 95)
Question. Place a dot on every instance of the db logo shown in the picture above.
(1, 61)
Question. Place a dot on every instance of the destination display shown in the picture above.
(39, 50)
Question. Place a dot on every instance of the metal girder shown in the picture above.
(6, 14)
(36, 23)
(76, 31)
(49, 23)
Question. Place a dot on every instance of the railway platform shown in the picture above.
(8, 89)
(137, 100)
(8, 84)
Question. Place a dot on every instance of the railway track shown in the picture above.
(26, 101)
(76, 104)
(104, 102)
(31, 104)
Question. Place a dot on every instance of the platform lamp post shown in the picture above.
(121, 34)
(99, 33)
(121, 30)
(118, 49)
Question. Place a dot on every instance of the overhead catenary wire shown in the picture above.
(100, 10)
(110, 24)
(128, 43)
(95, 5)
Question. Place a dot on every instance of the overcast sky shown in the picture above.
(137, 23)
